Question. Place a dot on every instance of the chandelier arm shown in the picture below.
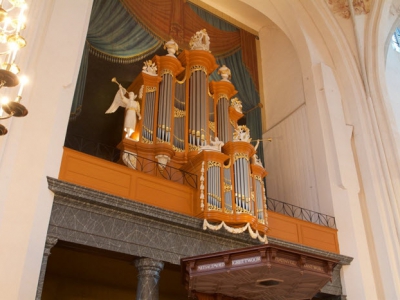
(6, 117)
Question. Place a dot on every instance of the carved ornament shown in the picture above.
(150, 68)
(200, 41)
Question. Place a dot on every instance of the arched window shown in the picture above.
(396, 40)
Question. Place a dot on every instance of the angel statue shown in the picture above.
(132, 108)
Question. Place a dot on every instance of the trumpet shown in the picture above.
(115, 80)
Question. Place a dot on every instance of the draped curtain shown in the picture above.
(127, 31)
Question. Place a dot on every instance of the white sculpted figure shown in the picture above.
(150, 68)
(200, 41)
(255, 158)
(242, 133)
(132, 108)
(216, 145)
(237, 104)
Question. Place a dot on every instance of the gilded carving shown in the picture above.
(193, 148)
(146, 141)
(198, 68)
(166, 71)
(214, 164)
(241, 155)
(227, 187)
(176, 149)
(150, 89)
(179, 113)
(211, 125)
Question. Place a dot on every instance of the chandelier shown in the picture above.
(12, 22)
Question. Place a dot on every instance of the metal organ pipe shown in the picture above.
(218, 183)
(169, 106)
(149, 116)
(228, 192)
(198, 107)
(191, 109)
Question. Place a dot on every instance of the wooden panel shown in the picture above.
(163, 193)
(282, 228)
(119, 180)
(93, 173)
(319, 238)
(302, 232)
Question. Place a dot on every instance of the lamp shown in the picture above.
(12, 21)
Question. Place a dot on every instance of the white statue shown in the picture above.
(132, 108)
(216, 145)
(242, 133)
(225, 73)
(172, 47)
(150, 68)
(200, 41)
(256, 160)
(237, 104)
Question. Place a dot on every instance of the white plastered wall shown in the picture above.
(288, 158)
(32, 149)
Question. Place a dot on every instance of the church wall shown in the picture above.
(282, 79)
(289, 162)
(392, 81)
(288, 156)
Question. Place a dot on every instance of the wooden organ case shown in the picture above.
(190, 123)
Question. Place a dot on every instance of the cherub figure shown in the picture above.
(132, 109)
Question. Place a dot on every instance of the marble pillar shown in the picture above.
(50, 243)
(149, 274)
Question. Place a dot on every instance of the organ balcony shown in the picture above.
(189, 124)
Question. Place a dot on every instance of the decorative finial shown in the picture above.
(172, 48)
(150, 68)
(225, 73)
(200, 41)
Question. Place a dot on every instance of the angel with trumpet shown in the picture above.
(132, 108)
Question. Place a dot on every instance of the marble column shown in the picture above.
(50, 243)
(149, 274)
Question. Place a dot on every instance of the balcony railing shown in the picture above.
(93, 148)
(155, 168)
(300, 213)
(141, 164)
(152, 167)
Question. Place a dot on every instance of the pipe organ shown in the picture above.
(191, 123)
